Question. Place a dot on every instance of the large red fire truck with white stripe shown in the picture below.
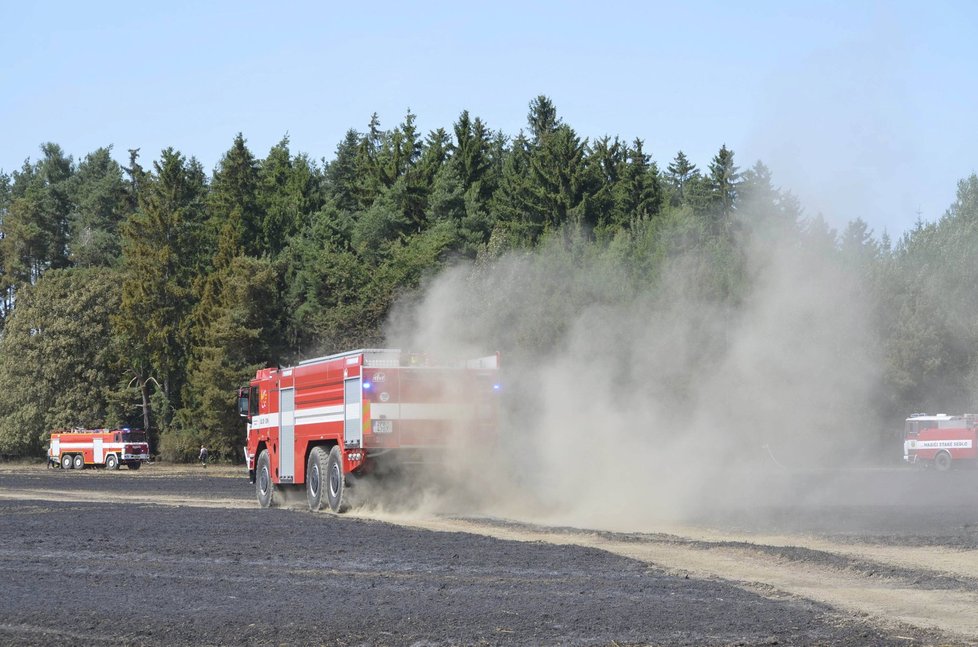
(107, 448)
(940, 440)
(349, 414)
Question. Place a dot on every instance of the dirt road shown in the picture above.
(168, 556)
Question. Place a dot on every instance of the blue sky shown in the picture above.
(862, 109)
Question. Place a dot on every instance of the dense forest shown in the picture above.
(145, 294)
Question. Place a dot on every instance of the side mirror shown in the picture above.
(243, 404)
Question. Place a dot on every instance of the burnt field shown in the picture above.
(166, 556)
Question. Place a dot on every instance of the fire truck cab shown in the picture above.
(940, 440)
(316, 423)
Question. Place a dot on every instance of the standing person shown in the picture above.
(203, 456)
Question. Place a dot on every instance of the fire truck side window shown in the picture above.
(253, 401)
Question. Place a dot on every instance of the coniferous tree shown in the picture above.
(771, 214)
(234, 190)
(542, 119)
(472, 156)
(290, 192)
(724, 182)
(560, 182)
(511, 201)
(234, 332)
(137, 176)
(547, 181)
(162, 256)
(679, 173)
(6, 286)
(369, 175)
(607, 160)
(57, 357)
(36, 225)
(640, 192)
(101, 203)
(341, 174)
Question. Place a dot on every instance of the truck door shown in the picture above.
(352, 426)
(286, 435)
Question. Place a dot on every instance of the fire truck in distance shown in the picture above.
(940, 440)
(351, 414)
(107, 448)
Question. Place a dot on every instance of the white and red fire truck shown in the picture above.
(346, 414)
(940, 440)
(109, 448)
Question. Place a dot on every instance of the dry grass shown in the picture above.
(155, 468)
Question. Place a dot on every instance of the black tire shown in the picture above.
(264, 488)
(942, 462)
(134, 465)
(78, 462)
(335, 481)
(316, 470)
(111, 462)
(67, 462)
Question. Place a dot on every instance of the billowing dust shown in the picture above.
(628, 401)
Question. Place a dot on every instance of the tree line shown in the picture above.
(145, 295)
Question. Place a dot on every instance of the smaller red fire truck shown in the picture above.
(940, 440)
(109, 448)
(314, 424)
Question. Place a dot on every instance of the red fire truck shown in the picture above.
(107, 448)
(346, 414)
(940, 440)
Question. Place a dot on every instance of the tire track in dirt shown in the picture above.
(844, 576)
(79, 496)
(887, 601)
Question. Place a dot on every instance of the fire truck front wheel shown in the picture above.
(264, 487)
(66, 461)
(111, 462)
(942, 462)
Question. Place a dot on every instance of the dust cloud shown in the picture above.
(629, 402)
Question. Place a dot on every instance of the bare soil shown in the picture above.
(183, 555)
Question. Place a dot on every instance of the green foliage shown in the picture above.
(928, 285)
(234, 190)
(100, 199)
(35, 225)
(57, 357)
(680, 173)
(233, 336)
(164, 248)
(290, 190)
(169, 290)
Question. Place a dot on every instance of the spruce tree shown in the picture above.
(234, 190)
(162, 256)
(101, 203)
(679, 173)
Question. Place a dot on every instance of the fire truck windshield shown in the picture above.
(130, 437)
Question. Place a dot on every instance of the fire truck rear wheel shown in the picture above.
(78, 462)
(316, 469)
(264, 487)
(334, 480)
(111, 462)
(942, 462)
(67, 462)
